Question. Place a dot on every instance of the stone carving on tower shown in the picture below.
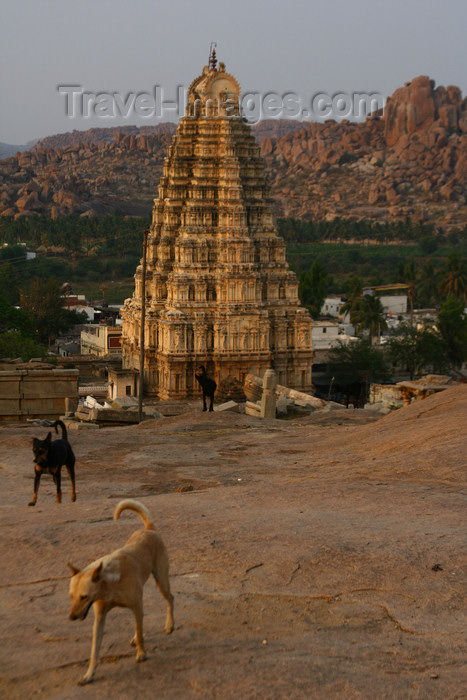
(219, 291)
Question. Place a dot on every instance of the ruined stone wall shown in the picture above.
(36, 393)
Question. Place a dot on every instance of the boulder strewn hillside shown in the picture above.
(411, 161)
(103, 135)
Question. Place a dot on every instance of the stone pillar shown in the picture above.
(268, 399)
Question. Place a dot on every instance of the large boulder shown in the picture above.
(410, 108)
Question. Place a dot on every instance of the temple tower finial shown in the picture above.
(212, 56)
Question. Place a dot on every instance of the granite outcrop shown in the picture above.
(410, 160)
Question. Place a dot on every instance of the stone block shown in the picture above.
(252, 409)
(78, 425)
(111, 416)
(8, 407)
(43, 407)
(334, 406)
(124, 402)
(228, 406)
(152, 413)
(10, 384)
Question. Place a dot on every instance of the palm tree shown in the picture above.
(427, 285)
(370, 316)
(455, 279)
(452, 325)
(410, 274)
(354, 298)
(314, 284)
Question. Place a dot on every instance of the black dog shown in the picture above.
(49, 458)
(208, 386)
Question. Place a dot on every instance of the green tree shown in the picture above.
(369, 316)
(314, 285)
(13, 319)
(353, 294)
(44, 304)
(16, 344)
(428, 245)
(454, 282)
(16, 335)
(9, 283)
(452, 326)
(428, 286)
(13, 252)
(357, 364)
(417, 350)
(410, 275)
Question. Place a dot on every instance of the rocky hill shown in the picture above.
(272, 128)
(409, 161)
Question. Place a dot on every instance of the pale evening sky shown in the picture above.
(303, 47)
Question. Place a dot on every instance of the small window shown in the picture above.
(128, 390)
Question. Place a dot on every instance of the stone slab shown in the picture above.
(228, 406)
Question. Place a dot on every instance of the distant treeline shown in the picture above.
(103, 250)
(111, 233)
(296, 231)
(117, 233)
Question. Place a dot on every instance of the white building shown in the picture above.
(78, 302)
(324, 334)
(332, 305)
(101, 340)
(393, 298)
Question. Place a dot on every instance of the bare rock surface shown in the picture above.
(322, 557)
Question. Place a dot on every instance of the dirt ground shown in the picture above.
(322, 557)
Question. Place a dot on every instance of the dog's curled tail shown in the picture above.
(63, 427)
(138, 508)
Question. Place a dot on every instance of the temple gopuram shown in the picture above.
(218, 288)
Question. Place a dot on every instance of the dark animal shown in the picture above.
(208, 386)
(49, 458)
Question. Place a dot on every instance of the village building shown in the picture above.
(326, 334)
(332, 305)
(122, 382)
(393, 297)
(79, 303)
(101, 340)
(218, 289)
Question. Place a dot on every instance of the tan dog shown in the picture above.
(117, 580)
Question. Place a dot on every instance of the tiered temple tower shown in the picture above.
(219, 292)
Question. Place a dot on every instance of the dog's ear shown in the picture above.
(74, 570)
(35, 442)
(49, 437)
(96, 574)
